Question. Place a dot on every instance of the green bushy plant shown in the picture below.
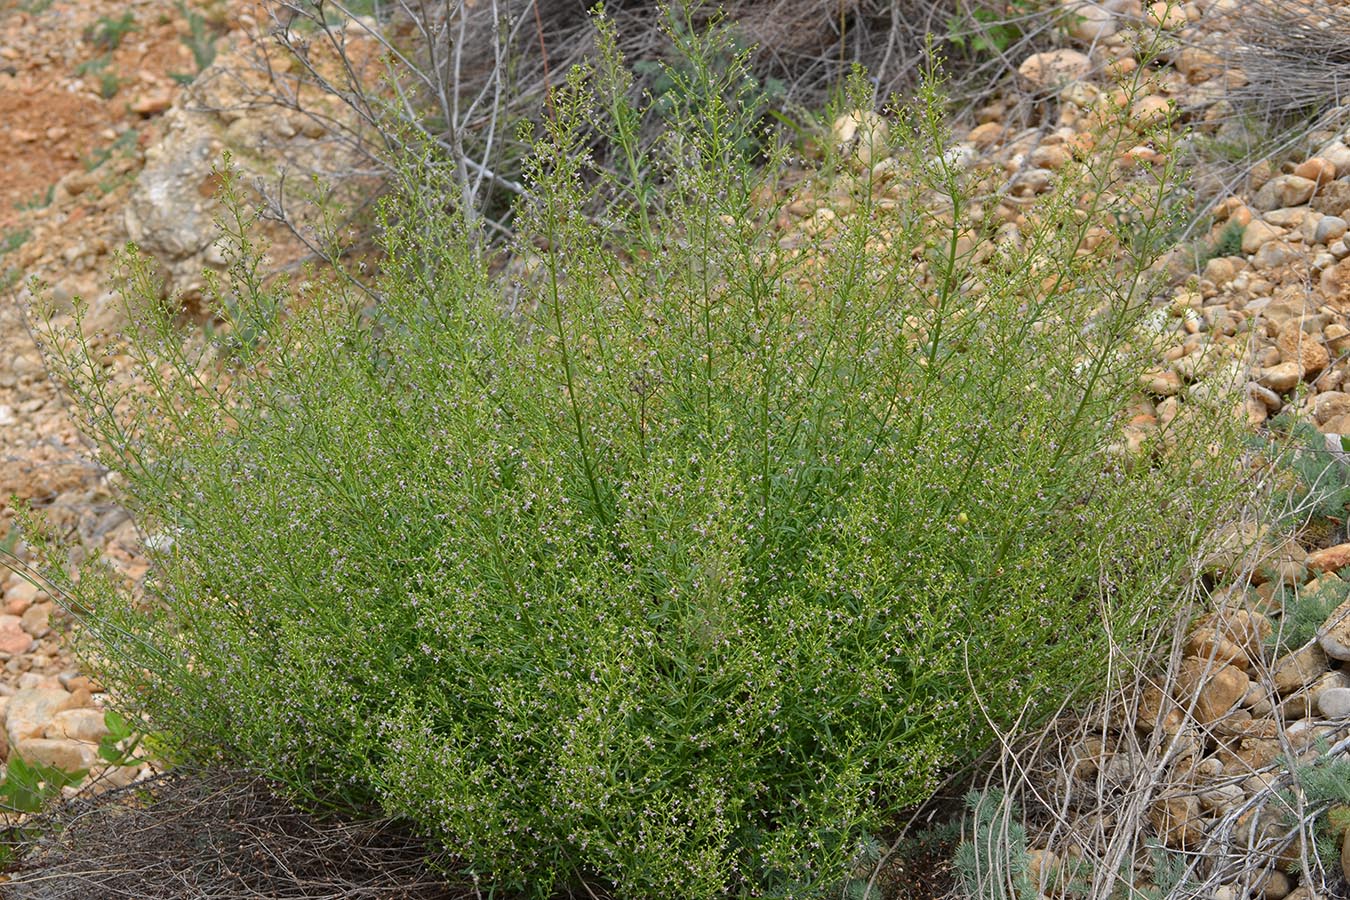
(683, 561)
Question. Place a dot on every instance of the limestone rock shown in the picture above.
(1299, 668)
(1258, 233)
(85, 724)
(1334, 635)
(1284, 190)
(13, 639)
(1177, 820)
(30, 711)
(1329, 228)
(1334, 703)
(1297, 346)
(1333, 199)
(1318, 170)
(1329, 559)
(1054, 68)
(1216, 687)
(66, 755)
(1280, 378)
(1088, 22)
(860, 136)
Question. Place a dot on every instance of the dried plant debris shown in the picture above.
(216, 834)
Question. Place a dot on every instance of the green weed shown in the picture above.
(201, 37)
(691, 569)
(108, 33)
(40, 200)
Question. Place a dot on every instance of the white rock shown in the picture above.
(1334, 703)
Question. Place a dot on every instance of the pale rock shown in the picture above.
(21, 590)
(1284, 190)
(36, 620)
(1274, 255)
(1289, 217)
(66, 755)
(1088, 21)
(1337, 337)
(1329, 404)
(1334, 635)
(1166, 15)
(1334, 703)
(1054, 68)
(1221, 799)
(986, 135)
(1258, 233)
(1338, 154)
(1206, 643)
(30, 711)
(1280, 378)
(861, 136)
(1300, 668)
(1334, 282)
(86, 724)
(14, 641)
(1220, 271)
(1333, 199)
(1197, 64)
(1082, 93)
(1149, 111)
(1329, 228)
(1272, 401)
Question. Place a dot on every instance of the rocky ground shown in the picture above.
(116, 116)
(105, 143)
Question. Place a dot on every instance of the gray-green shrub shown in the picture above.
(684, 560)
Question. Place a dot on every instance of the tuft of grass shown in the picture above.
(40, 200)
(687, 560)
(201, 37)
(108, 32)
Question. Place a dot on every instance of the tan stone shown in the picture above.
(860, 136)
(1216, 688)
(1244, 627)
(986, 135)
(66, 755)
(1206, 643)
(1334, 635)
(1054, 68)
(1317, 170)
(1177, 820)
(1299, 668)
(1149, 111)
(1258, 233)
(14, 641)
(1280, 378)
(1329, 559)
(1284, 190)
(78, 725)
(1298, 346)
(30, 711)
(1329, 404)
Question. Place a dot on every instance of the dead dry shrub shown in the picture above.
(217, 834)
